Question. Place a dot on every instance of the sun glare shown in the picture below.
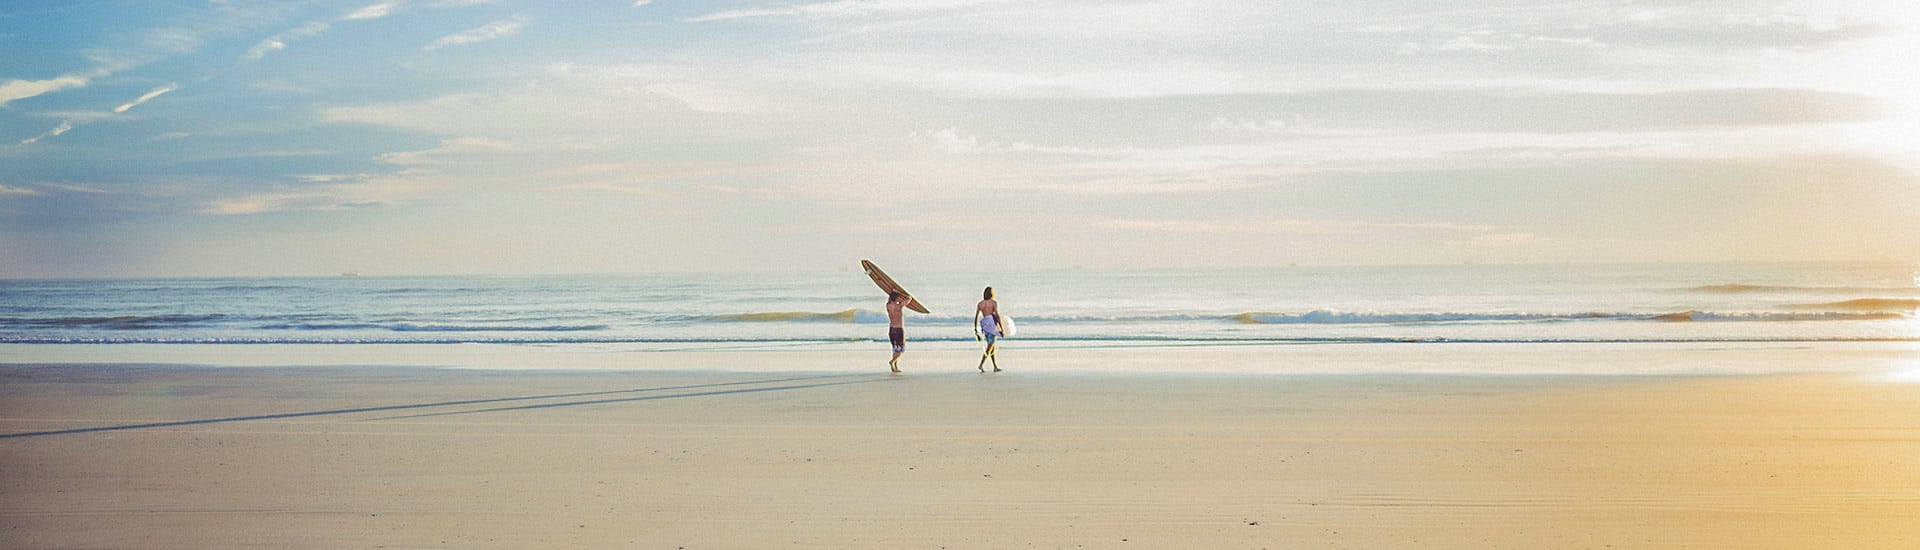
(1883, 68)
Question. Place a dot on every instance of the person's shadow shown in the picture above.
(758, 386)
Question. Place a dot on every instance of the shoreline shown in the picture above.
(1895, 360)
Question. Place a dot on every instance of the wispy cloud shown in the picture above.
(5, 190)
(264, 47)
(263, 203)
(84, 117)
(326, 193)
(494, 30)
(279, 41)
(21, 89)
(1280, 227)
(374, 11)
(1502, 240)
(64, 127)
(146, 97)
(71, 188)
(951, 141)
(844, 8)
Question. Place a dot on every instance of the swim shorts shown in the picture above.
(899, 338)
(989, 328)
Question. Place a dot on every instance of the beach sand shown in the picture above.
(128, 456)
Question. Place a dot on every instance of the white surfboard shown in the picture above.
(1006, 325)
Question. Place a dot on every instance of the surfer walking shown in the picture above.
(986, 316)
(896, 327)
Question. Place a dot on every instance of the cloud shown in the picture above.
(21, 89)
(1280, 227)
(263, 203)
(1709, 29)
(597, 103)
(327, 193)
(951, 141)
(264, 47)
(844, 8)
(1201, 119)
(92, 116)
(279, 41)
(496, 29)
(146, 97)
(5, 190)
(70, 188)
(374, 11)
(64, 126)
(1224, 125)
(1502, 240)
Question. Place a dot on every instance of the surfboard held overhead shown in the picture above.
(886, 284)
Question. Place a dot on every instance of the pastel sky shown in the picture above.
(234, 137)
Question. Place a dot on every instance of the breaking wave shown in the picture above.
(1327, 317)
(119, 322)
(1703, 316)
(1885, 305)
(411, 327)
(1741, 288)
(845, 316)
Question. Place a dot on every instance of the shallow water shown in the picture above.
(1531, 304)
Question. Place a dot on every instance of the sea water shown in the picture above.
(1543, 304)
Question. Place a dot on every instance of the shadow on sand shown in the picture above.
(815, 382)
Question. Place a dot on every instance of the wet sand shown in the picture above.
(121, 456)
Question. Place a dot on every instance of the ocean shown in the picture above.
(1330, 305)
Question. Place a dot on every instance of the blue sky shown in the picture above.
(470, 136)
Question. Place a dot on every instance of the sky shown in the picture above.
(427, 137)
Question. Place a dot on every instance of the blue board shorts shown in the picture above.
(899, 338)
(989, 329)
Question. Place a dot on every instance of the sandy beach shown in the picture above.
(150, 456)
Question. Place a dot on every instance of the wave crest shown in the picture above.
(1704, 316)
(412, 327)
(1886, 305)
(844, 316)
(1331, 317)
(1742, 288)
(123, 322)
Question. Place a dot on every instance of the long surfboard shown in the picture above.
(886, 283)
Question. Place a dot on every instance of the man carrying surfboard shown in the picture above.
(896, 327)
(897, 298)
(986, 315)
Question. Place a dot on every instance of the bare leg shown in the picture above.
(991, 354)
(895, 363)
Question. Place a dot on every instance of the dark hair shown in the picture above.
(891, 296)
(987, 294)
